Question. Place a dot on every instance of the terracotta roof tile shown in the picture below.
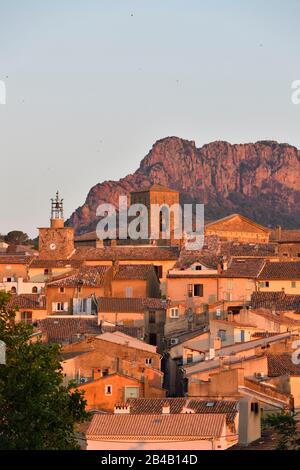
(162, 427)
(48, 263)
(281, 364)
(187, 258)
(15, 259)
(198, 405)
(91, 276)
(129, 304)
(62, 330)
(275, 301)
(281, 270)
(133, 271)
(287, 235)
(253, 250)
(30, 301)
(110, 253)
(244, 267)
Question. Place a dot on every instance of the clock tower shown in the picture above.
(56, 241)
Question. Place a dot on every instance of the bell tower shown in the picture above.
(57, 241)
(57, 212)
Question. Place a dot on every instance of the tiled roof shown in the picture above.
(198, 405)
(134, 331)
(52, 263)
(244, 267)
(130, 304)
(281, 364)
(253, 250)
(187, 258)
(234, 324)
(110, 253)
(91, 276)
(133, 272)
(281, 270)
(126, 340)
(30, 301)
(15, 259)
(160, 427)
(287, 235)
(275, 301)
(64, 329)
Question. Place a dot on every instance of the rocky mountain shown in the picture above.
(259, 180)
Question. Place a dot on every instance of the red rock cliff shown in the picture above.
(258, 180)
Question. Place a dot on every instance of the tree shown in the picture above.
(17, 237)
(37, 411)
(285, 426)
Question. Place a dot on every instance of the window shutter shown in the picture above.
(65, 306)
(54, 306)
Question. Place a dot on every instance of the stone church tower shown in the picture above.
(57, 241)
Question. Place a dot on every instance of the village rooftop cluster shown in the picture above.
(174, 348)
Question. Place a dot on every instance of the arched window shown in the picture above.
(13, 290)
(34, 290)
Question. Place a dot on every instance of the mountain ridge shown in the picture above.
(258, 180)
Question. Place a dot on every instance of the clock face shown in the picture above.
(52, 246)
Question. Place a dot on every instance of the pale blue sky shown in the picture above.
(91, 85)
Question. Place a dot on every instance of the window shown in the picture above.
(153, 339)
(149, 361)
(190, 290)
(108, 389)
(13, 290)
(222, 335)
(60, 307)
(46, 272)
(104, 372)
(298, 254)
(26, 317)
(198, 268)
(264, 284)
(254, 407)
(189, 358)
(128, 292)
(198, 290)
(152, 316)
(62, 290)
(34, 290)
(174, 312)
(9, 279)
(293, 284)
(159, 271)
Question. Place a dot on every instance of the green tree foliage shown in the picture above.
(36, 410)
(285, 426)
(17, 237)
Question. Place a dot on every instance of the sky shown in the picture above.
(92, 84)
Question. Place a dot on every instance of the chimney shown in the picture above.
(99, 243)
(113, 243)
(19, 285)
(211, 353)
(230, 316)
(166, 408)
(217, 343)
(225, 265)
(115, 267)
(278, 231)
(122, 409)
(219, 268)
(40, 298)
